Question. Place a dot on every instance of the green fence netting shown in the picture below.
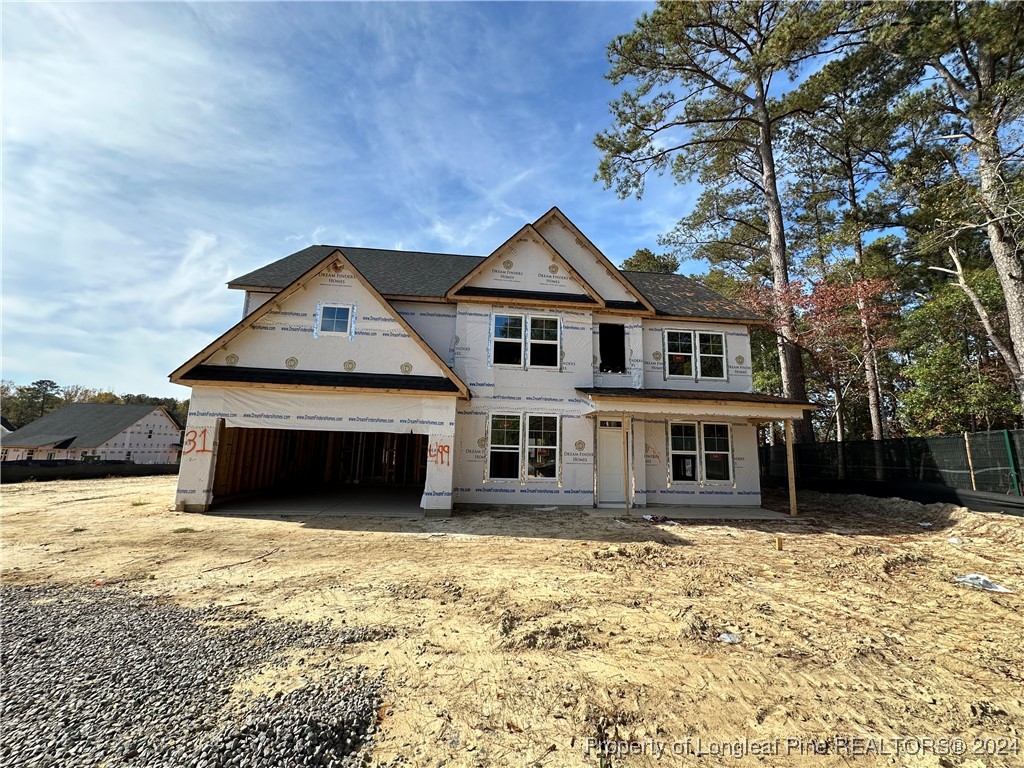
(982, 461)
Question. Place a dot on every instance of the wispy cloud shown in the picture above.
(151, 152)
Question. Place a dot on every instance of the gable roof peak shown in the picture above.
(297, 284)
(585, 242)
(527, 231)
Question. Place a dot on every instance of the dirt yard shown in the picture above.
(511, 639)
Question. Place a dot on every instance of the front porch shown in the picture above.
(696, 444)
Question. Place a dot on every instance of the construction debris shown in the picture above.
(981, 582)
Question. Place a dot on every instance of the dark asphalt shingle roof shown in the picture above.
(392, 273)
(679, 295)
(419, 273)
(89, 424)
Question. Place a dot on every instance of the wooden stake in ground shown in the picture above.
(970, 462)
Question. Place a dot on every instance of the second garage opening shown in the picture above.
(284, 464)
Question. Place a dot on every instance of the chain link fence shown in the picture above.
(980, 461)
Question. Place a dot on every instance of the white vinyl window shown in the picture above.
(544, 342)
(679, 354)
(335, 319)
(683, 452)
(3, 454)
(694, 355)
(542, 447)
(505, 447)
(29, 455)
(710, 355)
(526, 341)
(523, 446)
(717, 448)
(508, 340)
(700, 452)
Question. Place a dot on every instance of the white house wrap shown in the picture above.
(539, 375)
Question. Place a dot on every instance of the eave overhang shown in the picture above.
(751, 406)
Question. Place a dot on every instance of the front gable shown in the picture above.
(589, 262)
(298, 337)
(525, 268)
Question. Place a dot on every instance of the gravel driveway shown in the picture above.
(102, 676)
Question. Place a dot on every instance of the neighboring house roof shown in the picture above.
(6, 426)
(432, 275)
(79, 425)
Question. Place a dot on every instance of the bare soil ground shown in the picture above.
(513, 638)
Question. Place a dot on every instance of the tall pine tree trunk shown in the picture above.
(794, 379)
(1001, 244)
(982, 94)
(867, 342)
(871, 381)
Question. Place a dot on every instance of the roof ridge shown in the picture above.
(398, 250)
(431, 274)
(645, 272)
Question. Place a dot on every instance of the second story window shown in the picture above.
(612, 347)
(679, 353)
(711, 351)
(526, 341)
(335, 318)
(544, 343)
(508, 339)
(695, 355)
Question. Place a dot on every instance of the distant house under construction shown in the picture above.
(140, 434)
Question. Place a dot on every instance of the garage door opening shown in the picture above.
(309, 471)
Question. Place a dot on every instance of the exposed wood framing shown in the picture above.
(250, 460)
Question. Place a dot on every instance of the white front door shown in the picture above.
(611, 480)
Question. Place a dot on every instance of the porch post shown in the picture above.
(626, 467)
(789, 466)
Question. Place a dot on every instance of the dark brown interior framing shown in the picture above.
(251, 460)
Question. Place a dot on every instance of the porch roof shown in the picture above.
(749, 405)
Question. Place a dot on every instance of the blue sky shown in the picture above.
(151, 152)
